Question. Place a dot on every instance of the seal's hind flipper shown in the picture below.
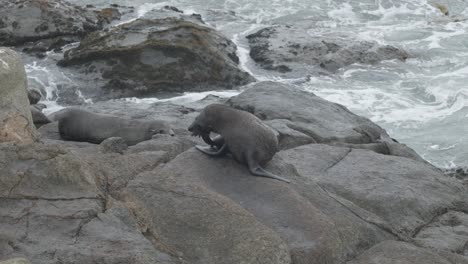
(259, 171)
(211, 151)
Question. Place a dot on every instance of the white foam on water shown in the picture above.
(183, 99)
(408, 98)
(344, 14)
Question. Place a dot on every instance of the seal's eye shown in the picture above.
(161, 131)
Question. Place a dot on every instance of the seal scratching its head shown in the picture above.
(246, 137)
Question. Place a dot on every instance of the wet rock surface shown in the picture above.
(150, 56)
(295, 52)
(48, 25)
(356, 196)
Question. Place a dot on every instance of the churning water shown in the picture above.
(422, 102)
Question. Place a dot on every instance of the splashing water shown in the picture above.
(422, 102)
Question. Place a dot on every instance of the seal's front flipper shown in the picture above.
(212, 151)
(259, 171)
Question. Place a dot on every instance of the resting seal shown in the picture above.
(39, 119)
(246, 137)
(80, 125)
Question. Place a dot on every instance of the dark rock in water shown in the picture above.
(34, 96)
(48, 25)
(146, 57)
(459, 173)
(286, 49)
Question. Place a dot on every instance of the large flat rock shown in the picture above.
(146, 57)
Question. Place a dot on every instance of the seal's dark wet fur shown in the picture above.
(80, 125)
(246, 137)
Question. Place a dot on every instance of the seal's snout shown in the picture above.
(171, 132)
(195, 129)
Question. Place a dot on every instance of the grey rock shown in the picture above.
(304, 116)
(149, 57)
(398, 194)
(293, 51)
(187, 213)
(113, 145)
(314, 226)
(405, 253)
(16, 123)
(56, 206)
(447, 232)
(47, 24)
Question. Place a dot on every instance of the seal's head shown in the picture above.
(203, 123)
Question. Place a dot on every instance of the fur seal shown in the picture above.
(245, 136)
(80, 125)
(39, 118)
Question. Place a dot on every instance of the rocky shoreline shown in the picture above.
(356, 195)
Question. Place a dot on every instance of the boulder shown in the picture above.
(398, 194)
(303, 115)
(162, 201)
(114, 145)
(16, 123)
(448, 231)
(315, 228)
(147, 57)
(293, 51)
(47, 24)
(200, 223)
(56, 206)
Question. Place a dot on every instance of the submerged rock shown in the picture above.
(147, 57)
(290, 49)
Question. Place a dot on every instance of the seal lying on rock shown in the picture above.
(80, 125)
(242, 134)
(39, 118)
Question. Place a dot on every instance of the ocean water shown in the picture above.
(422, 102)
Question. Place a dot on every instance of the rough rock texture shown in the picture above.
(114, 145)
(405, 253)
(16, 261)
(55, 206)
(147, 57)
(16, 123)
(162, 201)
(287, 48)
(448, 231)
(50, 24)
(368, 181)
(301, 118)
